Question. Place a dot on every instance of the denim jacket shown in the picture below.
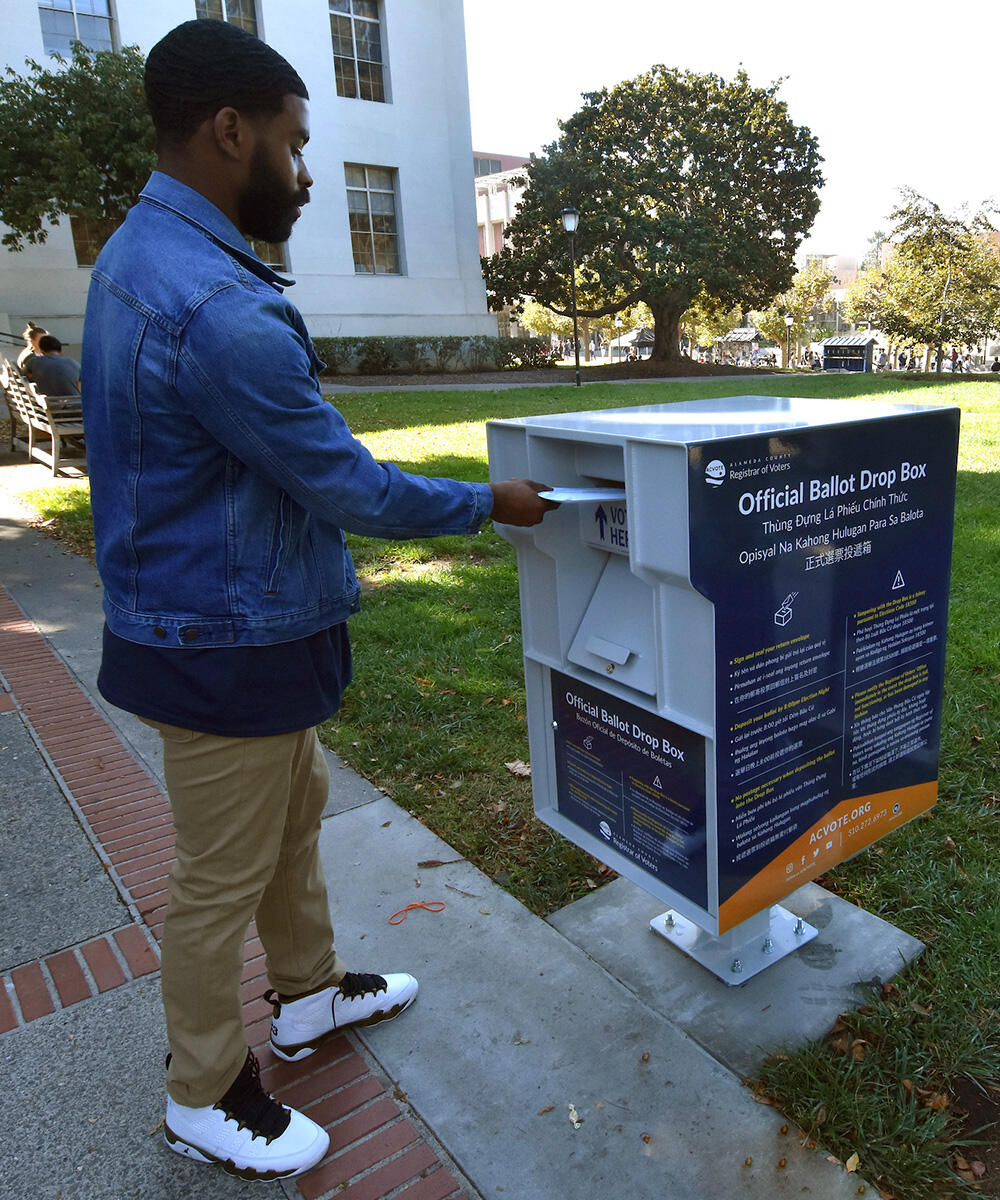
(221, 481)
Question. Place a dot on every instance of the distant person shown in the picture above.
(883, 361)
(995, 365)
(31, 334)
(902, 361)
(52, 372)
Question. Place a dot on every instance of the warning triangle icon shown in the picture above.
(898, 582)
(656, 782)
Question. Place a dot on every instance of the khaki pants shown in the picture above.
(247, 819)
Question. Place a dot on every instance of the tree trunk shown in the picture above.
(666, 331)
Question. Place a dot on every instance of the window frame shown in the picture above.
(397, 233)
(224, 6)
(379, 22)
(70, 7)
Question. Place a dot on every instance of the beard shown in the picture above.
(266, 207)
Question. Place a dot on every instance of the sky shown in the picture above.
(897, 94)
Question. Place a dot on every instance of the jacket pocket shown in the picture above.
(277, 546)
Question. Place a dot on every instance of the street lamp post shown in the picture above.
(789, 322)
(571, 219)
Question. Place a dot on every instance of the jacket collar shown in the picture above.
(169, 193)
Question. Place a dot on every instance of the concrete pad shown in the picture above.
(83, 1099)
(514, 1024)
(54, 891)
(792, 1002)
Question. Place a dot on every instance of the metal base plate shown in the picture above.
(741, 953)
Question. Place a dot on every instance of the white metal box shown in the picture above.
(734, 649)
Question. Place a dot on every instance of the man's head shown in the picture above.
(48, 343)
(204, 66)
(231, 121)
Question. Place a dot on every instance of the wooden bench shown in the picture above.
(54, 423)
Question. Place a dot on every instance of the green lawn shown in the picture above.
(437, 710)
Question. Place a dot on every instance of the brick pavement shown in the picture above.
(378, 1150)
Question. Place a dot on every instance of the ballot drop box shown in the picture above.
(734, 634)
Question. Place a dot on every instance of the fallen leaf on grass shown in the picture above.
(521, 769)
(853, 1162)
(969, 1170)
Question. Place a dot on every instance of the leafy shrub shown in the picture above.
(378, 355)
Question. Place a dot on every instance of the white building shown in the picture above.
(389, 244)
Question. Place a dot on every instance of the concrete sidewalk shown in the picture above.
(521, 1025)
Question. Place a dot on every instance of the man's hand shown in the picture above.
(517, 502)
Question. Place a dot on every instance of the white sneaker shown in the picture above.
(301, 1026)
(247, 1133)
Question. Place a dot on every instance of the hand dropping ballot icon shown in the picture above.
(784, 613)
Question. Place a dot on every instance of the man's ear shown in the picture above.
(232, 133)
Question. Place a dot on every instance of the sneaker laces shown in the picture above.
(254, 1108)
(354, 984)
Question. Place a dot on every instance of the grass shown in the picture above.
(437, 710)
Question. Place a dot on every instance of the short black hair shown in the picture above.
(49, 342)
(204, 65)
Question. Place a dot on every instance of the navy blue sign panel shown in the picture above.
(826, 553)
(632, 780)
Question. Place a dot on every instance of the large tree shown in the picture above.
(685, 183)
(941, 284)
(74, 141)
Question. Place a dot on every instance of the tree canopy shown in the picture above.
(941, 284)
(808, 295)
(685, 183)
(74, 141)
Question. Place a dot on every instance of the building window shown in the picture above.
(236, 12)
(272, 254)
(485, 166)
(89, 236)
(357, 49)
(67, 21)
(371, 207)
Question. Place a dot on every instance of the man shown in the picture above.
(221, 483)
(52, 372)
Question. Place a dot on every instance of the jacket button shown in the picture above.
(189, 635)
(159, 632)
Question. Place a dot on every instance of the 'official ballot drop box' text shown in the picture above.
(734, 631)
